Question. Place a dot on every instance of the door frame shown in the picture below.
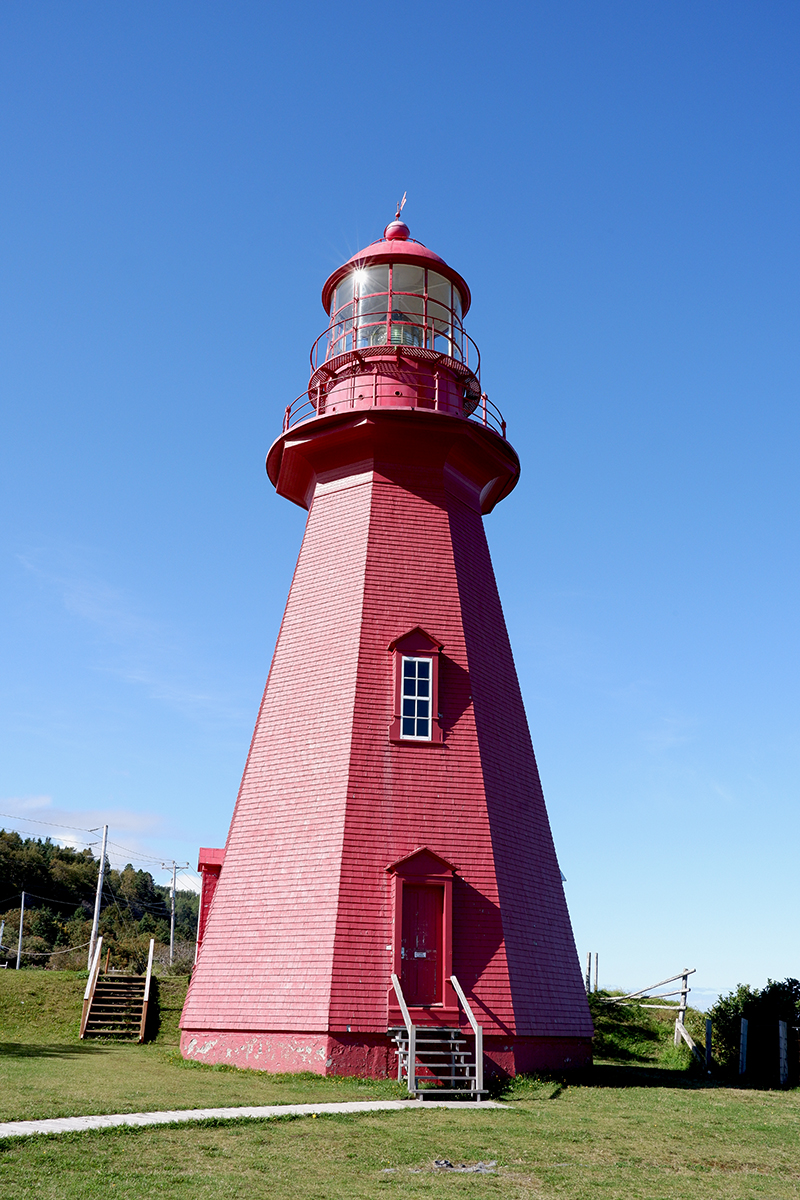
(424, 867)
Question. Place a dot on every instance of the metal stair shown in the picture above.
(115, 1006)
(435, 1061)
(445, 1063)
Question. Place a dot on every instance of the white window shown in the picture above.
(415, 720)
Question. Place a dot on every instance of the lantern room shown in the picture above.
(395, 337)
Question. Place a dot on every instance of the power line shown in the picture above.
(50, 953)
(52, 824)
(136, 855)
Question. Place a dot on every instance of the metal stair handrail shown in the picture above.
(411, 1065)
(476, 1029)
(91, 984)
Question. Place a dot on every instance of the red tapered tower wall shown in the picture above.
(303, 932)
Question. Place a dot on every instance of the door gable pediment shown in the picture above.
(422, 863)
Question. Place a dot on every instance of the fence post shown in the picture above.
(783, 1052)
(743, 1046)
(682, 1006)
(709, 1032)
(21, 919)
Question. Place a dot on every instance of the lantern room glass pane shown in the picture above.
(372, 308)
(344, 293)
(408, 279)
(439, 288)
(339, 337)
(371, 279)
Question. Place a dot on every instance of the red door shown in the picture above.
(421, 946)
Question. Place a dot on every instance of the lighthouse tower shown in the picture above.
(389, 862)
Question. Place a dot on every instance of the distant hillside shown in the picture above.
(60, 885)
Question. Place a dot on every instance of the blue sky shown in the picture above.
(618, 182)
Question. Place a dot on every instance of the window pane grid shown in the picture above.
(415, 721)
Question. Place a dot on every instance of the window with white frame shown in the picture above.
(415, 720)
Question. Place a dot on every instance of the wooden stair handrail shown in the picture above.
(476, 1029)
(146, 997)
(91, 984)
(411, 1066)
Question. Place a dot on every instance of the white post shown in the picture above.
(98, 897)
(146, 997)
(783, 1052)
(743, 1046)
(588, 972)
(477, 1030)
(2, 928)
(411, 1069)
(682, 1005)
(596, 958)
(709, 1035)
(21, 919)
(411, 1065)
(91, 984)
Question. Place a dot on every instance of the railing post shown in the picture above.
(411, 1065)
(479, 1061)
(91, 984)
(146, 998)
(476, 1029)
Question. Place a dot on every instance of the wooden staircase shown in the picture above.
(435, 1061)
(115, 1006)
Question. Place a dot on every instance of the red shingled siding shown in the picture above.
(407, 795)
(549, 995)
(267, 953)
(297, 936)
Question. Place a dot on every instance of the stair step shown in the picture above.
(431, 1093)
(462, 1066)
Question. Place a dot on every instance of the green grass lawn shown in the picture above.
(627, 1143)
(631, 1129)
(46, 1071)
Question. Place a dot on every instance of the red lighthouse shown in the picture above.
(389, 878)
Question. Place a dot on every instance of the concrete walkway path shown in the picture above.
(266, 1112)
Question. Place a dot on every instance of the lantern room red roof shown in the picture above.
(397, 246)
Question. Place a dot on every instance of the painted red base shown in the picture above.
(371, 1057)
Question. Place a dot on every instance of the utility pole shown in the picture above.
(98, 898)
(174, 869)
(21, 919)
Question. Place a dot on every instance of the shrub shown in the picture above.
(763, 1010)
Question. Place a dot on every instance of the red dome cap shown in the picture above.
(397, 230)
(397, 246)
